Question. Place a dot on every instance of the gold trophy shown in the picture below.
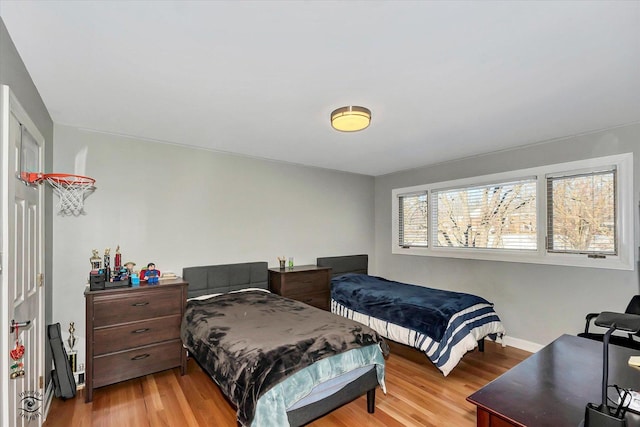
(95, 260)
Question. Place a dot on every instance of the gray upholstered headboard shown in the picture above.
(345, 264)
(210, 279)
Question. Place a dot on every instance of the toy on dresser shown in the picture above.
(150, 274)
(102, 276)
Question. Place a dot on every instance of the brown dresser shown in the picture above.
(307, 283)
(133, 332)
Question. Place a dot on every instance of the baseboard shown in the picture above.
(48, 397)
(525, 345)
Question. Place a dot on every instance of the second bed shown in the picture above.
(444, 325)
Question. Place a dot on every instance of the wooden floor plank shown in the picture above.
(417, 395)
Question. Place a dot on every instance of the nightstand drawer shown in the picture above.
(302, 283)
(318, 299)
(116, 338)
(114, 310)
(135, 363)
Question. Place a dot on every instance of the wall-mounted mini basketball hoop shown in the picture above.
(71, 189)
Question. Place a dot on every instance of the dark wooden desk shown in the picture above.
(553, 386)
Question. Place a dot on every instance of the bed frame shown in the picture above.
(360, 264)
(212, 279)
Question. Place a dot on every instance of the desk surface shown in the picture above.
(553, 386)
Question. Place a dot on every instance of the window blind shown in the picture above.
(492, 216)
(413, 220)
(581, 213)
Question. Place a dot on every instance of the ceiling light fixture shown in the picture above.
(351, 118)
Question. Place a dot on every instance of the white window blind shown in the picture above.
(581, 213)
(413, 211)
(495, 216)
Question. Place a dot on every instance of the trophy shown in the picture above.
(118, 260)
(72, 356)
(96, 262)
(72, 339)
(107, 264)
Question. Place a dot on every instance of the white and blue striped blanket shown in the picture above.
(442, 324)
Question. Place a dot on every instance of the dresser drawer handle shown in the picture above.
(139, 331)
(141, 356)
(140, 304)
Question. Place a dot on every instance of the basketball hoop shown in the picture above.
(71, 189)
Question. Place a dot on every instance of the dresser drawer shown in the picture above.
(123, 308)
(130, 335)
(141, 361)
(316, 299)
(305, 282)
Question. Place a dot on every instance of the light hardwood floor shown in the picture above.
(417, 395)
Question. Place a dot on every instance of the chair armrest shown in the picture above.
(589, 317)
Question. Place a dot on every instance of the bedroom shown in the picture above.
(179, 206)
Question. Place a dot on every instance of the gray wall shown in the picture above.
(14, 74)
(537, 303)
(180, 207)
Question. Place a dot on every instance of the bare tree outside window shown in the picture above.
(498, 216)
(581, 213)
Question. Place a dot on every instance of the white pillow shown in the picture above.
(206, 296)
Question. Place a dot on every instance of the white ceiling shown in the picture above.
(444, 80)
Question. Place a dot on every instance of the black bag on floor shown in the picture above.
(63, 381)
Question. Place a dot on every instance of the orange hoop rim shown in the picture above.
(60, 178)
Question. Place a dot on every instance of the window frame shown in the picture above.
(420, 193)
(624, 260)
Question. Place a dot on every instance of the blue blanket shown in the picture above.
(422, 309)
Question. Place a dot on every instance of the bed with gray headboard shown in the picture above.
(444, 325)
(212, 279)
(244, 339)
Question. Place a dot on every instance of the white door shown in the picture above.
(22, 397)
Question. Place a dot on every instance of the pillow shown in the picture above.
(207, 296)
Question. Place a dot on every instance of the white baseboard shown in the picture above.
(48, 397)
(525, 345)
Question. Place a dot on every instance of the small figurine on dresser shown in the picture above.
(150, 274)
(134, 280)
(130, 266)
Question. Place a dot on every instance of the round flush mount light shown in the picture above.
(351, 118)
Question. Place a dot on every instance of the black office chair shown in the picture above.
(624, 341)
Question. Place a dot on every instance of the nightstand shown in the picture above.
(306, 283)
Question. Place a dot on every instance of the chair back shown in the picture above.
(634, 305)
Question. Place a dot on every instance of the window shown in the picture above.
(413, 220)
(495, 216)
(577, 213)
(581, 213)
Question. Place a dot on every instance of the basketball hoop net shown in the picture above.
(71, 190)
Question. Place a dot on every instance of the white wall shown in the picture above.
(537, 303)
(181, 207)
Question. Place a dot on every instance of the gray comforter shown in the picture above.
(249, 341)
